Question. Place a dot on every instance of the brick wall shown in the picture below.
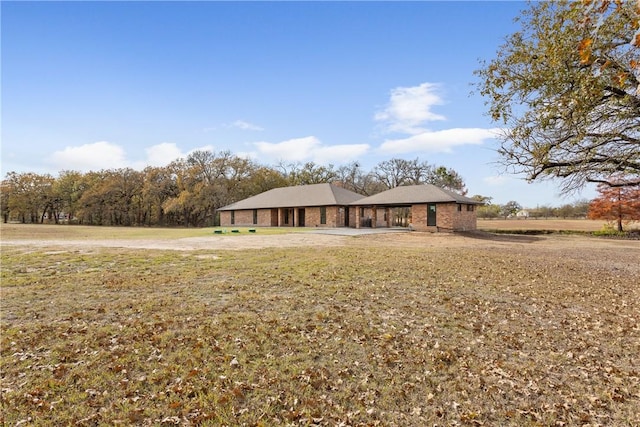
(241, 218)
(466, 219)
(225, 218)
(312, 217)
(448, 218)
(244, 218)
(418, 217)
(264, 217)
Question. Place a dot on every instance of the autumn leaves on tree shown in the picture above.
(188, 191)
(566, 88)
(619, 204)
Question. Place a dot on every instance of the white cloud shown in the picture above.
(309, 148)
(241, 124)
(441, 141)
(409, 108)
(496, 180)
(339, 154)
(238, 124)
(203, 148)
(165, 153)
(90, 157)
(294, 150)
(106, 155)
(162, 154)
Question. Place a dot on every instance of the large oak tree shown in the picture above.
(566, 88)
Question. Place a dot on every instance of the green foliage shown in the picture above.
(308, 173)
(567, 88)
(510, 208)
(447, 178)
(187, 192)
(30, 197)
(608, 230)
(488, 211)
(398, 172)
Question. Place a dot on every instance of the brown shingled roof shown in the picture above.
(297, 196)
(414, 194)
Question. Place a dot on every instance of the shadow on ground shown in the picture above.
(347, 231)
(513, 238)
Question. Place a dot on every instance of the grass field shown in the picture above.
(542, 224)
(374, 332)
(81, 232)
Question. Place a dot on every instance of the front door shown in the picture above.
(431, 215)
(346, 217)
(300, 217)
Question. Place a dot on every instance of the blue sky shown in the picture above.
(98, 85)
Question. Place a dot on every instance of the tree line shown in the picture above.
(188, 191)
(618, 204)
(575, 210)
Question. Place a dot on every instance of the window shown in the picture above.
(255, 216)
(323, 215)
(233, 217)
(459, 207)
(470, 208)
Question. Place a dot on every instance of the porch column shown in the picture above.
(374, 216)
(387, 212)
(358, 208)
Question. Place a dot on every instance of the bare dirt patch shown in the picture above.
(190, 243)
(307, 238)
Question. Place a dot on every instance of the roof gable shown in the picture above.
(414, 194)
(297, 196)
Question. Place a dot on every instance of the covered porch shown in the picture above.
(383, 216)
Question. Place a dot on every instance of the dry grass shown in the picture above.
(371, 333)
(82, 232)
(541, 224)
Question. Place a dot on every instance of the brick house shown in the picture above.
(421, 207)
(316, 205)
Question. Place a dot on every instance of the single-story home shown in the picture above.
(421, 207)
(316, 205)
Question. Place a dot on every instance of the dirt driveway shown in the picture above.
(591, 252)
(323, 239)
(226, 242)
